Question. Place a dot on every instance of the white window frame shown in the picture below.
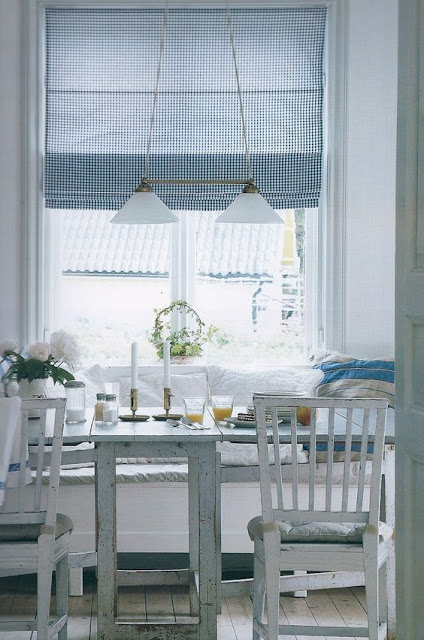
(324, 312)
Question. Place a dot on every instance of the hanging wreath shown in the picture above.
(186, 341)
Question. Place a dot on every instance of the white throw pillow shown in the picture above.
(150, 389)
(241, 383)
(92, 378)
(324, 355)
(94, 383)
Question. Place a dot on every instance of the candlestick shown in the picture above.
(167, 400)
(134, 400)
(166, 364)
(134, 359)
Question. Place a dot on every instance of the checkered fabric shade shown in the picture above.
(100, 75)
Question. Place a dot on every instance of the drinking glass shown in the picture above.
(194, 408)
(222, 406)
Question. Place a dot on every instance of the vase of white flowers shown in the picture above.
(31, 368)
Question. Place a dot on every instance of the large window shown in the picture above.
(246, 280)
(255, 283)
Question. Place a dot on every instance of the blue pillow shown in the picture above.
(358, 379)
(339, 446)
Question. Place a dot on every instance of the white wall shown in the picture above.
(370, 180)
(368, 282)
(10, 169)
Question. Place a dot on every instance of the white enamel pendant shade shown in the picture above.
(144, 207)
(250, 208)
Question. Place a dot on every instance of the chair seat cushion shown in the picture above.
(31, 532)
(350, 532)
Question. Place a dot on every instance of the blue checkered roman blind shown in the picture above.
(100, 75)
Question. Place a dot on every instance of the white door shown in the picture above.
(410, 325)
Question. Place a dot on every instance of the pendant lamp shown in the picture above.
(249, 207)
(144, 207)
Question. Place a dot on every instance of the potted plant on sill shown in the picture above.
(186, 343)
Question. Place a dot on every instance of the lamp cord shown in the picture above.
(155, 95)
(156, 91)
(246, 146)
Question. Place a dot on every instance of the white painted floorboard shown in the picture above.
(341, 607)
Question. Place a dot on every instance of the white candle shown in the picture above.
(166, 365)
(134, 359)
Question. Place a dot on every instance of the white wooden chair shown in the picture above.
(10, 410)
(338, 536)
(34, 538)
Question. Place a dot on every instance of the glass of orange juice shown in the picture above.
(194, 408)
(222, 406)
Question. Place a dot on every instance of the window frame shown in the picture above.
(324, 313)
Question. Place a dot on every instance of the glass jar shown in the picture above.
(99, 407)
(75, 402)
(110, 410)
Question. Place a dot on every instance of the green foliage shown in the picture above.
(299, 216)
(249, 347)
(185, 341)
(31, 369)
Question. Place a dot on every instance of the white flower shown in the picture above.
(63, 346)
(7, 345)
(39, 351)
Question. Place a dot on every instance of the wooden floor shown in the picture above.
(339, 607)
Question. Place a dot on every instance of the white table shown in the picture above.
(158, 439)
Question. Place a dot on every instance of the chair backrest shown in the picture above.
(354, 423)
(42, 507)
(10, 409)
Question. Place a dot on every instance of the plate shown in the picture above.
(288, 394)
(136, 418)
(282, 415)
(249, 423)
(170, 416)
(240, 423)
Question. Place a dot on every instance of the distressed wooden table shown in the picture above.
(158, 439)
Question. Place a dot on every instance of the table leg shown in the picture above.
(218, 535)
(106, 541)
(207, 542)
(193, 533)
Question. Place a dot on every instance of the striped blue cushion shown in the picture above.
(358, 379)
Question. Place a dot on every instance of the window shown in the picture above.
(248, 280)
(250, 283)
